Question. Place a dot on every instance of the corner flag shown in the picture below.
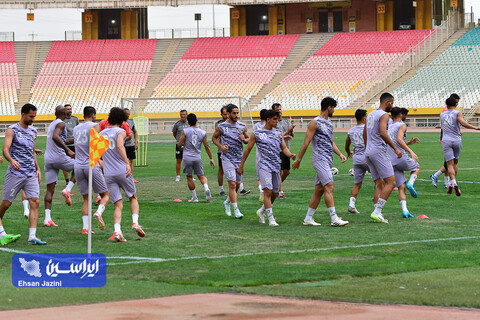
(98, 146)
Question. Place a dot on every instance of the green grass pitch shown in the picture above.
(195, 247)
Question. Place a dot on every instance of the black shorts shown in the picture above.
(285, 162)
(71, 148)
(130, 152)
(178, 153)
(219, 156)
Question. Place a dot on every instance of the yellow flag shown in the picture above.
(98, 146)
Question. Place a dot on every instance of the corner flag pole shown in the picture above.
(89, 210)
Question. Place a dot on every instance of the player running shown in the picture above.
(82, 147)
(118, 174)
(22, 173)
(376, 139)
(233, 133)
(398, 133)
(223, 113)
(57, 157)
(259, 125)
(452, 141)
(320, 133)
(360, 167)
(191, 142)
(269, 142)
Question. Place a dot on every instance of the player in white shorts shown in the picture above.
(320, 133)
(191, 142)
(81, 135)
(57, 157)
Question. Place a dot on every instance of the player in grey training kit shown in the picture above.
(398, 133)
(259, 125)
(118, 175)
(360, 167)
(376, 139)
(269, 142)
(22, 173)
(57, 157)
(233, 133)
(131, 145)
(223, 113)
(452, 141)
(70, 123)
(177, 132)
(191, 142)
(286, 127)
(320, 133)
(82, 146)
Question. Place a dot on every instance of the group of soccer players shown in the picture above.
(108, 177)
(379, 143)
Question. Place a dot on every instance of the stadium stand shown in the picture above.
(222, 67)
(342, 64)
(8, 78)
(455, 70)
(92, 72)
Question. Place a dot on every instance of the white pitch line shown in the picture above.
(154, 260)
(12, 250)
(467, 182)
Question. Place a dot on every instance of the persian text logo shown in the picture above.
(59, 270)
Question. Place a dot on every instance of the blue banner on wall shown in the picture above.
(59, 270)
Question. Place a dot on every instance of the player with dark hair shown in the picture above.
(118, 175)
(22, 173)
(452, 141)
(57, 157)
(443, 169)
(191, 141)
(320, 133)
(223, 113)
(269, 142)
(376, 139)
(360, 167)
(81, 135)
(233, 133)
(177, 132)
(286, 127)
(397, 131)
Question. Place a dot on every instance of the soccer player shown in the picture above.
(443, 169)
(259, 125)
(320, 133)
(233, 133)
(360, 167)
(177, 132)
(82, 147)
(132, 144)
(22, 173)
(376, 139)
(269, 141)
(452, 141)
(191, 141)
(70, 122)
(57, 157)
(398, 133)
(118, 175)
(286, 127)
(223, 113)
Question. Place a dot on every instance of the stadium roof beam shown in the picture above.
(106, 4)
